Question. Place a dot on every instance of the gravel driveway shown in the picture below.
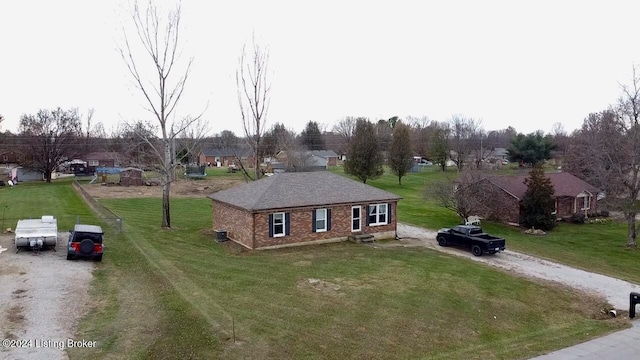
(616, 291)
(42, 297)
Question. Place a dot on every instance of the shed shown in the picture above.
(25, 174)
(131, 177)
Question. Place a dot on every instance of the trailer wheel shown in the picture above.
(86, 246)
(442, 241)
(475, 249)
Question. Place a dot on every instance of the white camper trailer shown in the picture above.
(37, 233)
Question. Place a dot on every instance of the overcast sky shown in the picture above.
(507, 63)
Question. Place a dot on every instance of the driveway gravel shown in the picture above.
(615, 291)
(42, 298)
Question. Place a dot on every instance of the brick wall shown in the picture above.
(301, 226)
(497, 204)
(237, 222)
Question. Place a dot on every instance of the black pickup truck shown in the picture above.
(471, 236)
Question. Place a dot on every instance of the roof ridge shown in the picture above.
(270, 178)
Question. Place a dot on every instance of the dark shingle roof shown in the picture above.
(325, 153)
(564, 184)
(286, 190)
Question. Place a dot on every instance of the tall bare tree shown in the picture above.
(162, 86)
(254, 90)
(345, 129)
(51, 137)
(462, 132)
(606, 153)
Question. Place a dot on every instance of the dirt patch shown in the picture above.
(15, 315)
(320, 286)
(179, 188)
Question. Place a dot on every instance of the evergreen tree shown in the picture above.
(401, 156)
(311, 137)
(538, 204)
(364, 159)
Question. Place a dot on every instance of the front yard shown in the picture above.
(334, 301)
(594, 247)
(178, 294)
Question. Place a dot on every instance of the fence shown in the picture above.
(107, 215)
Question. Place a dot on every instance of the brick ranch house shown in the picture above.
(225, 157)
(572, 195)
(289, 209)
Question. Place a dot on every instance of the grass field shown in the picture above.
(178, 294)
(595, 247)
(368, 304)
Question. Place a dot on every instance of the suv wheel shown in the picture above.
(98, 257)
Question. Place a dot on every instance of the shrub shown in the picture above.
(577, 218)
(603, 213)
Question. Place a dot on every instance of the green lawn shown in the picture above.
(178, 294)
(595, 247)
(402, 303)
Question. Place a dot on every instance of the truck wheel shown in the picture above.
(475, 249)
(69, 257)
(442, 241)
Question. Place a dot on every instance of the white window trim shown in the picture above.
(284, 231)
(359, 218)
(378, 213)
(586, 203)
(94, 162)
(319, 211)
(555, 209)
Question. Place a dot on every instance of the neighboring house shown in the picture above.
(24, 174)
(225, 157)
(11, 157)
(499, 153)
(572, 195)
(330, 155)
(289, 209)
(103, 159)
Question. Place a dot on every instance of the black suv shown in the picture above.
(85, 241)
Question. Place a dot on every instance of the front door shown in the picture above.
(356, 218)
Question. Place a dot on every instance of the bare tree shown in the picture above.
(164, 88)
(345, 129)
(253, 97)
(469, 194)
(51, 137)
(462, 131)
(606, 153)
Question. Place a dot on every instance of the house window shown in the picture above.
(356, 218)
(278, 225)
(94, 162)
(377, 214)
(321, 220)
(586, 203)
(5, 158)
(555, 209)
